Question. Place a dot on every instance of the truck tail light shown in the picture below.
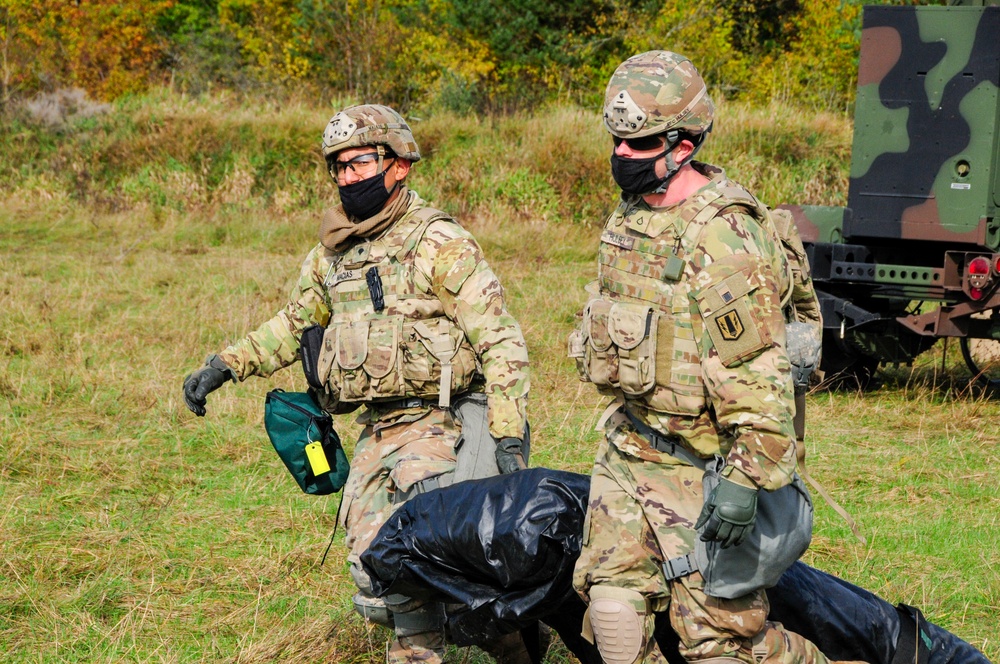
(979, 277)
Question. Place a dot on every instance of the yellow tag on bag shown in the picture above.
(317, 459)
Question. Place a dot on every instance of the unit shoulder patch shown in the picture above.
(736, 332)
(730, 325)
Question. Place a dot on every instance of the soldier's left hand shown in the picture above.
(509, 456)
(729, 514)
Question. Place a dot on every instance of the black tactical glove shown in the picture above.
(202, 382)
(728, 514)
(509, 457)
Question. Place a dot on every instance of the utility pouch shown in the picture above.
(600, 355)
(781, 534)
(303, 436)
(632, 328)
(476, 447)
(310, 345)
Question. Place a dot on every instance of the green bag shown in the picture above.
(303, 436)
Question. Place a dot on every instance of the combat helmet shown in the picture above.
(658, 92)
(370, 124)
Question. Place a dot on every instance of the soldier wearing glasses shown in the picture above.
(415, 321)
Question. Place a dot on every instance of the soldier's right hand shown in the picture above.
(509, 457)
(198, 385)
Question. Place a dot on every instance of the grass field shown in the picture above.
(131, 530)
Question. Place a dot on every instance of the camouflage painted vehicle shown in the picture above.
(915, 256)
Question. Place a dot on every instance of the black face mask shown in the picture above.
(365, 198)
(638, 176)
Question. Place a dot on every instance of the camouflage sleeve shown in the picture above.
(457, 273)
(275, 344)
(740, 324)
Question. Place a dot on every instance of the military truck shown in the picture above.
(915, 255)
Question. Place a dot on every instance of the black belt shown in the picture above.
(402, 404)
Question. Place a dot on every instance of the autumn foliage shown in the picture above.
(106, 47)
(458, 55)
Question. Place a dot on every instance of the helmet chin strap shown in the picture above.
(672, 166)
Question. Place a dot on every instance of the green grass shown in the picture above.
(131, 530)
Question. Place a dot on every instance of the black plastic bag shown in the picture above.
(504, 546)
(850, 623)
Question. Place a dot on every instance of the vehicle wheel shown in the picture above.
(982, 356)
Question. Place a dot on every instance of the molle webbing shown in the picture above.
(387, 264)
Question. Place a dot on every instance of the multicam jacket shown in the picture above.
(441, 323)
(688, 327)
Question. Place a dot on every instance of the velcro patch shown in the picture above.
(716, 297)
(617, 239)
(346, 275)
(357, 255)
(736, 333)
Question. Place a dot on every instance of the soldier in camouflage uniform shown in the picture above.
(687, 333)
(415, 319)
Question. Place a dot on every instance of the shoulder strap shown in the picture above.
(701, 216)
(425, 217)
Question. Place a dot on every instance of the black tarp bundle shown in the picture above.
(505, 548)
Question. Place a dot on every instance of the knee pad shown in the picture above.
(616, 623)
(426, 618)
(403, 603)
(372, 609)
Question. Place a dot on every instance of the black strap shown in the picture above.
(402, 404)
(336, 521)
(667, 444)
(913, 645)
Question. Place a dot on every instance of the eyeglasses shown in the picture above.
(364, 166)
(641, 144)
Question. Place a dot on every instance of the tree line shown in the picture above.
(484, 56)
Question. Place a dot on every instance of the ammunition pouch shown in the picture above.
(641, 352)
(386, 357)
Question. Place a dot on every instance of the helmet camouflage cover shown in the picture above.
(369, 124)
(657, 92)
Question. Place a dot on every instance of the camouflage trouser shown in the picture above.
(641, 512)
(388, 463)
